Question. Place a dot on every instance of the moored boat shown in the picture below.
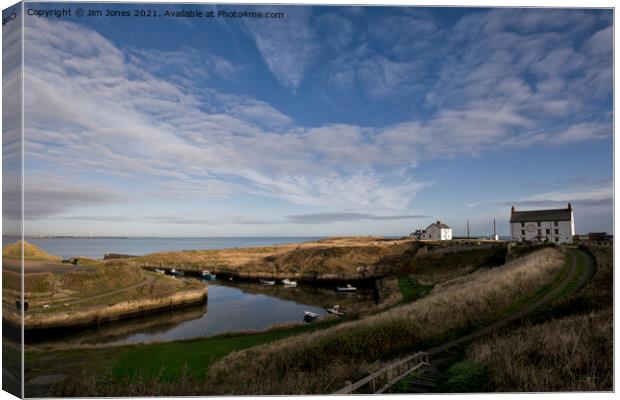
(174, 272)
(347, 288)
(288, 282)
(309, 316)
(335, 310)
(266, 282)
(207, 275)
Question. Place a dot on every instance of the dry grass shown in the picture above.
(573, 351)
(31, 252)
(302, 364)
(54, 288)
(329, 258)
(569, 354)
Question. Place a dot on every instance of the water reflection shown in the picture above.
(232, 307)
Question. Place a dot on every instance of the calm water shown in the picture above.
(96, 248)
(231, 307)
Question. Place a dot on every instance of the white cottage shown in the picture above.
(437, 231)
(556, 226)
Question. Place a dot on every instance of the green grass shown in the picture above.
(466, 377)
(403, 386)
(166, 362)
(197, 355)
(411, 289)
(574, 282)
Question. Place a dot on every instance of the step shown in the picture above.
(419, 382)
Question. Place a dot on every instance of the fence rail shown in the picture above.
(382, 380)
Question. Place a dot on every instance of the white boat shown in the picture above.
(347, 288)
(310, 316)
(174, 272)
(335, 310)
(207, 275)
(160, 271)
(266, 282)
(287, 282)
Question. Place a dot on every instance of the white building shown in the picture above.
(556, 226)
(436, 231)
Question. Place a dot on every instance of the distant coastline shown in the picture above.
(72, 237)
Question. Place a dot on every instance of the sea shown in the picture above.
(138, 246)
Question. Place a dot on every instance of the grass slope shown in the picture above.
(31, 252)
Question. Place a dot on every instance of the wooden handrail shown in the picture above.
(420, 359)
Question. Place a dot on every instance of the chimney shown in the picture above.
(438, 222)
(512, 210)
(570, 208)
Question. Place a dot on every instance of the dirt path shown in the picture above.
(549, 296)
(148, 280)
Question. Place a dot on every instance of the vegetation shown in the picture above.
(350, 350)
(326, 259)
(411, 289)
(313, 359)
(520, 250)
(568, 346)
(466, 377)
(31, 252)
(433, 266)
(119, 368)
(569, 354)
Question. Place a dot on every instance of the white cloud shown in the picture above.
(94, 108)
(286, 45)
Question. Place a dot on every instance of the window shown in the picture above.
(547, 231)
(522, 231)
(538, 223)
(523, 239)
(539, 232)
(522, 224)
(557, 239)
(557, 232)
(555, 223)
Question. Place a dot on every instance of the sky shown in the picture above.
(329, 121)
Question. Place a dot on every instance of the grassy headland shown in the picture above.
(89, 293)
(31, 252)
(346, 258)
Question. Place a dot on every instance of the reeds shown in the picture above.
(569, 354)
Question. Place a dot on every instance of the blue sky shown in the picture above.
(331, 121)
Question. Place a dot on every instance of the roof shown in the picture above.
(562, 214)
(439, 225)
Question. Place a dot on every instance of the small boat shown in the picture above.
(335, 310)
(287, 282)
(160, 271)
(266, 282)
(347, 288)
(207, 275)
(230, 278)
(174, 272)
(310, 316)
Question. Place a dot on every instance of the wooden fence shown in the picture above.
(387, 376)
